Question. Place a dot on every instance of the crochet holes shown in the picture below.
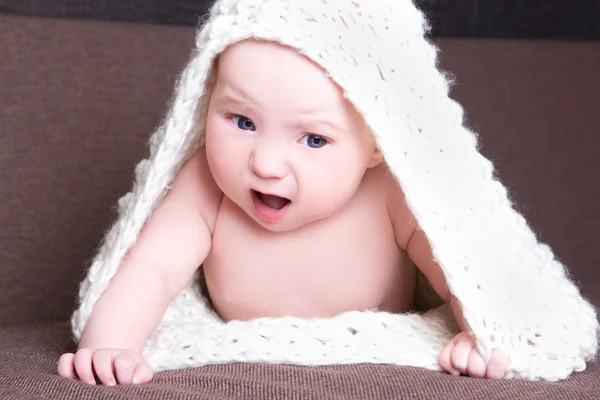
(344, 21)
(355, 4)
(478, 286)
(352, 331)
(531, 342)
(381, 73)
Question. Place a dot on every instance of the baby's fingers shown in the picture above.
(132, 369)
(102, 361)
(143, 373)
(476, 364)
(124, 366)
(445, 360)
(496, 368)
(66, 369)
(83, 366)
(461, 351)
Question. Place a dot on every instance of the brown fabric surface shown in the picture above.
(29, 354)
(77, 104)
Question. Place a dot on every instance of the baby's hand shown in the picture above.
(111, 366)
(460, 356)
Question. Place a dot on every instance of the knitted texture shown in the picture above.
(514, 294)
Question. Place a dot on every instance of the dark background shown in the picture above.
(519, 19)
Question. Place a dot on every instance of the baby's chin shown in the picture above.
(292, 221)
(287, 224)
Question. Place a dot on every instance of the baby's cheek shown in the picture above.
(333, 190)
(220, 157)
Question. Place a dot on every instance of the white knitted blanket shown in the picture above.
(515, 295)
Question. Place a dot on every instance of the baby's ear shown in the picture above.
(376, 158)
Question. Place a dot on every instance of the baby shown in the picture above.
(287, 208)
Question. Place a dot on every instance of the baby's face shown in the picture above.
(281, 141)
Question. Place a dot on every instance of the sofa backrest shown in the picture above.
(79, 100)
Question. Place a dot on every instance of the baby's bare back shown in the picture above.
(349, 261)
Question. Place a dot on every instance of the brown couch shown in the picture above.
(78, 101)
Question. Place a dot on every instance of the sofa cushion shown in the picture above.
(28, 370)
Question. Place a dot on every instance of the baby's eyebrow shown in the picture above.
(229, 99)
(239, 103)
(314, 120)
(235, 95)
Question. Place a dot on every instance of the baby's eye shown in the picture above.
(243, 123)
(314, 141)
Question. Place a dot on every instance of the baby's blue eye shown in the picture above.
(243, 123)
(314, 141)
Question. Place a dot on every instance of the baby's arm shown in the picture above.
(460, 355)
(171, 246)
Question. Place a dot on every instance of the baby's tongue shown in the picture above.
(273, 201)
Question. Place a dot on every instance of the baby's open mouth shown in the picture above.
(271, 201)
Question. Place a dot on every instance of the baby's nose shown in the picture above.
(268, 162)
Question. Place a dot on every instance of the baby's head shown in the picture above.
(282, 141)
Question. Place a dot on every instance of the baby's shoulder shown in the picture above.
(380, 180)
(196, 180)
(387, 186)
